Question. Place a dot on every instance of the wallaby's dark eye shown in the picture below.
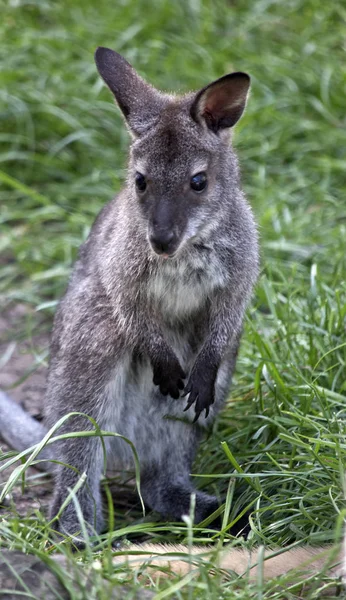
(199, 182)
(141, 183)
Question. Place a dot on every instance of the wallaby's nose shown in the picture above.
(162, 242)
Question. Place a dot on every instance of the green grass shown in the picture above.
(281, 439)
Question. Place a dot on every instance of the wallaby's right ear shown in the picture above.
(221, 103)
(139, 101)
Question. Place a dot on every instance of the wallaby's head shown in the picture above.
(180, 171)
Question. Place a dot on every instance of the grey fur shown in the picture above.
(135, 323)
(21, 431)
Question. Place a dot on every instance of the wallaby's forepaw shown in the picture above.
(201, 390)
(169, 377)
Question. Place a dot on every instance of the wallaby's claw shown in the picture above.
(196, 417)
(198, 413)
(190, 402)
(186, 392)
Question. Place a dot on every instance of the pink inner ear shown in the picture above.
(219, 100)
(221, 103)
(223, 100)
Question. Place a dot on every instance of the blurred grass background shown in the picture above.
(63, 154)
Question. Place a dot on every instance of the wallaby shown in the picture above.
(154, 308)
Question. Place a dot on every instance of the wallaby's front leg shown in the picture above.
(167, 371)
(201, 385)
(225, 327)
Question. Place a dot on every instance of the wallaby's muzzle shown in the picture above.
(165, 222)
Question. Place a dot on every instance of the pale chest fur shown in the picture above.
(180, 287)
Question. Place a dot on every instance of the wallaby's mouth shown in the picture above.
(164, 244)
(165, 255)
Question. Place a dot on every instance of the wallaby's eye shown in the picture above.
(141, 183)
(199, 182)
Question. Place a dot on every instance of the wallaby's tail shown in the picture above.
(20, 431)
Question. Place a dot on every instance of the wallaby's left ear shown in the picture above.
(221, 103)
(139, 102)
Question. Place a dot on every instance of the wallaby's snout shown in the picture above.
(163, 241)
(164, 225)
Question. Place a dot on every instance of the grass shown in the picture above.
(281, 439)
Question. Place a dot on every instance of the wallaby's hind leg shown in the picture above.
(165, 480)
(170, 494)
(85, 457)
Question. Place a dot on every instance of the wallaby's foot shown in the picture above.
(173, 499)
(169, 376)
(85, 509)
(69, 527)
(68, 524)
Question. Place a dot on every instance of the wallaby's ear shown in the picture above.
(221, 103)
(139, 101)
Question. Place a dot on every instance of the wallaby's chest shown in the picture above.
(183, 288)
